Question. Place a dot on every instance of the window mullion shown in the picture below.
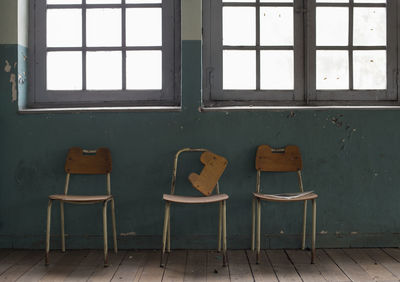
(123, 30)
(351, 23)
(258, 78)
(83, 44)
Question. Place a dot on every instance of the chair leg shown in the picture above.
(258, 230)
(164, 238)
(220, 227)
(48, 231)
(303, 242)
(169, 233)
(314, 230)
(253, 223)
(224, 233)
(105, 233)
(114, 226)
(62, 227)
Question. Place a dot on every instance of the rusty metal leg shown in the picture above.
(105, 233)
(62, 227)
(253, 223)
(258, 231)
(48, 231)
(224, 233)
(114, 226)
(220, 227)
(164, 238)
(303, 242)
(314, 229)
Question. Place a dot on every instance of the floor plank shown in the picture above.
(284, 269)
(22, 266)
(239, 266)
(196, 266)
(102, 273)
(129, 267)
(384, 259)
(40, 269)
(374, 269)
(262, 271)
(87, 266)
(151, 270)
(215, 271)
(175, 266)
(302, 263)
(10, 259)
(328, 268)
(354, 271)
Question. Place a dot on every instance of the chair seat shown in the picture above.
(81, 198)
(195, 200)
(273, 198)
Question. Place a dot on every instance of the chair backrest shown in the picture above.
(81, 161)
(287, 159)
(275, 160)
(207, 177)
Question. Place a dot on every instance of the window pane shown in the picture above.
(239, 69)
(103, 27)
(277, 70)
(276, 1)
(332, 1)
(370, 26)
(64, 28)
(104, 70)
(332, 26)
(56, 2)
(369, 1)
(239, 26)
(144, 70)
(369, 69)
(276, 26)
(144, 27)
(64, 71)
(103, 1)
(332, 70)
(142, 1)
(252, 1)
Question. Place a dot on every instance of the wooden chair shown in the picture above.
(85, 162)
(281, 160)
(212, 171)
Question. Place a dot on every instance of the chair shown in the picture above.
(281, 160)
(214, 167)
(90, 162)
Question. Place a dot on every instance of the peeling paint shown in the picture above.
(353, 233)
(128, 234)
(13, 82)
(323, 232)
(7, 67)
(282, 232)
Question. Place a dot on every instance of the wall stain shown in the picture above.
(13, 79)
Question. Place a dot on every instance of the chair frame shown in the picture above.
(256, 215)
(166, 238)
(104, 203)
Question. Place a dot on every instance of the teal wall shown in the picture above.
(350, 160)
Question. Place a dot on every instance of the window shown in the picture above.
(105, 52)
(295, 52)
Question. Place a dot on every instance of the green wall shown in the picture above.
(350, 160)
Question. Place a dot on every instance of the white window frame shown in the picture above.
(169, 95)
(305, 93)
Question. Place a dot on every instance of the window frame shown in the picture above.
(169, 95)
(310, 96)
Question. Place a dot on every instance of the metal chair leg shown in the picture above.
(169, 233)
(220, 227)
(62, 227)
(114, 226)
(105, 233)
(303, 242)
(164, 238)
(314, 230)
(253, 223)
(224, 233)
(258, 231)
(48, 231)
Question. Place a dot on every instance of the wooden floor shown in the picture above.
(276, 265)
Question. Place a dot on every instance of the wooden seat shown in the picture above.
(195, 200)
(81, 198)
(281, 160)
(90, 162)
(273, 198)
(205, 182)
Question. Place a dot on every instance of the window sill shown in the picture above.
(291, 108)
(100, 109)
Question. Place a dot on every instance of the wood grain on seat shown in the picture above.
(269, 197)
(195, 200)
(81, 198)
(80, 163)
